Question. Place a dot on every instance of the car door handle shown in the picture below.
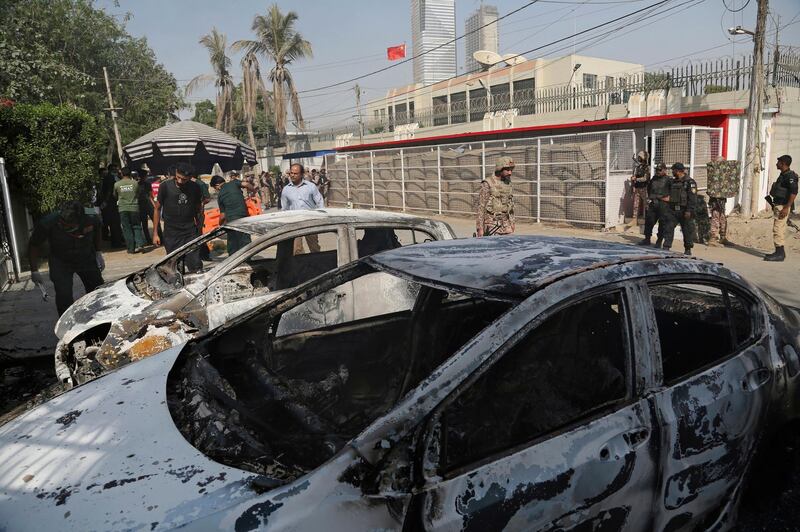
(756, 379)
(634, 438)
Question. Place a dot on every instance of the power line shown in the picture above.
(582, 32)
(384, 69)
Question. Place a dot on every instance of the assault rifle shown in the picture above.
(495, 228)
(789, 222)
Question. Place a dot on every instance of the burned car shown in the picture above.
(520, 383)
(164, 304)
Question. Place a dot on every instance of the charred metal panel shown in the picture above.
(588, 475)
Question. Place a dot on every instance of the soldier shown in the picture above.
(496, 201)
(783, 192)
(639, 181)
(723, 183)
(658, 203)
(681, 208)
(702, 224)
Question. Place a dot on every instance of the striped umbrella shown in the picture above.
(192, 142)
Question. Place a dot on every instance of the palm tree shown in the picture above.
(217, 45)
(277, 39)
(252, 86)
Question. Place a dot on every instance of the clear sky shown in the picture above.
(350, 37)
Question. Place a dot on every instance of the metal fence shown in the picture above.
(694, 78)
(694, 146)
(578, 178)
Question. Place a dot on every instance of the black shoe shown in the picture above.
(687, 252)
(645, 241)
(659, 241)
(778, 256)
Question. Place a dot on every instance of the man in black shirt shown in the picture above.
(74, 239)
(180, 202)
(783, 192)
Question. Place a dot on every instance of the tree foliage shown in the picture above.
(278, 40)
(52, 153)
(55, 50)
(216, 44)
(205, 112)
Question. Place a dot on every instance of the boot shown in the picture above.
(645, 241)
(659, 241)
(778, 256)
(687, 252)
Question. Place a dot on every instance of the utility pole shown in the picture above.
(358, 108)
(113, 118)
(776, 53)
(752, 167)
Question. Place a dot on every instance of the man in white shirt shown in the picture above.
(301, 194)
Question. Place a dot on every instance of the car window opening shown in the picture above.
(570, 367)
(283, 404)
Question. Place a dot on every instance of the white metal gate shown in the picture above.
(694, 146)
(578, 178)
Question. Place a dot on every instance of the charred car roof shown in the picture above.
(263, 223)
(510, 266)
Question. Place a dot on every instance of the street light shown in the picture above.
(738, 30)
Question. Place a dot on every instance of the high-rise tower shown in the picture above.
(486, 38)
(433, 23)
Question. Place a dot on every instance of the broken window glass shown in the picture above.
(699, 325)
(570, 367)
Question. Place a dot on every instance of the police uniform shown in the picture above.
(641, 179)
(496, 202)
(782, 190)
(658, 202)
(71, 234)
(682, 200)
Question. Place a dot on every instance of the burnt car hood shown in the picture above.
(107, 456)
(106, 304)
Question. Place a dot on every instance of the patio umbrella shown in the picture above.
(191, 142)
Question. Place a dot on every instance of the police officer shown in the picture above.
(74, 238)
(681, 208)
(640, 180)
(231, 207)
(658, 203)
(496, 201)
(783, 192)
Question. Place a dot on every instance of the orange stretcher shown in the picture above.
(211, 220)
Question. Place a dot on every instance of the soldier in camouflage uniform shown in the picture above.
(702, 224)
(639, 181)
(496, 201)
(658, 203)
(723, 183)
(681, 208)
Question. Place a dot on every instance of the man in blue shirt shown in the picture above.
(301, 194)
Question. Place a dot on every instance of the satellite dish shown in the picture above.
(487, 58)
(514, 59)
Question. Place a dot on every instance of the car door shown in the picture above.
(551, 435)
(717, 380)
(273, 267)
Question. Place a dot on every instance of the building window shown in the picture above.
(458, 107)
(410, 111)
(590, 81)
(501, 97)
(524, 96)
(477, 104)
(440, 111)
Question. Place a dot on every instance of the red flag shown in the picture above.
(396, 52)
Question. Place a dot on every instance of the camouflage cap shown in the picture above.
(642, 155)
(503, 162)
(661, 166)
